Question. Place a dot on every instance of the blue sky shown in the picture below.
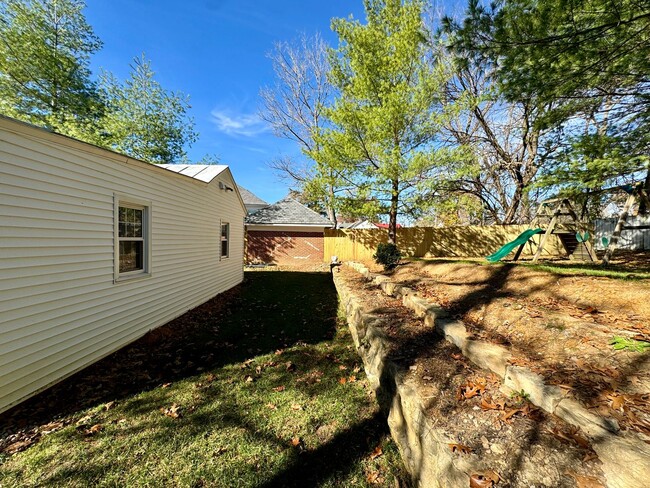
(215, 51)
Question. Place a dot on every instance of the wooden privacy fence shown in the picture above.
(461, 241)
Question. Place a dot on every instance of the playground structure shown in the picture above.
(559, 218)
(554, 216)
(634, 192)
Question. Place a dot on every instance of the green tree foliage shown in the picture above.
(45, 50)
(385, 119)
(589, 60)
(143, 120)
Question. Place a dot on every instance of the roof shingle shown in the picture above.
(287, 211)
(249, 197)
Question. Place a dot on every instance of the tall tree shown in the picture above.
(386, 117)
(143, 120)
(45, 49)
(503, 144)
(587, 57)
(294, 107)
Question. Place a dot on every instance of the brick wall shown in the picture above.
(283, 247)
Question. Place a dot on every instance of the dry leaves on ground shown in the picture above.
(376, 453)
(585, 481)
(174, 411)
(460, 448)
(485, 479)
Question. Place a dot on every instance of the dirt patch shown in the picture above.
(558, 326)
(522, 445)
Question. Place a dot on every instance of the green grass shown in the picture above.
(268, 409)
(588, 269)
(565, 268)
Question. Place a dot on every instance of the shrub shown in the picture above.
(387, 255)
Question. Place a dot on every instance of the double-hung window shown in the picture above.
(225, 238)
(132, 246)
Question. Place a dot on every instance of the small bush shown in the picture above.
(387, 255)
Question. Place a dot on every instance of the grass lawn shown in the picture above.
(564, 268)
(264, 391)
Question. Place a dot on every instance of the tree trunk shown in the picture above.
(392, 216)
(511, 213)
(329, 208)
(643, 207)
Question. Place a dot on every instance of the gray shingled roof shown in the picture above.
(249, 197)
(287, 211)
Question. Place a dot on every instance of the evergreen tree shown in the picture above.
(45, 50)
(386, 117)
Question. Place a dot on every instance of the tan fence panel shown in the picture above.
(466, 241)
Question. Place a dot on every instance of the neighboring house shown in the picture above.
(286, 232)
(97, 248)
(252, 202)
(357, 224)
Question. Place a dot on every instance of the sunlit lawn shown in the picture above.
(280, 401)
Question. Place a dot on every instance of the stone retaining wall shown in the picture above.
(625, 456)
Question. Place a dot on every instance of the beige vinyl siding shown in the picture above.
(60, 309)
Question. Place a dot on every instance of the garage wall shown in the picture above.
(284, 247)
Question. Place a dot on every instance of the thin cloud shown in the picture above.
(233, 124)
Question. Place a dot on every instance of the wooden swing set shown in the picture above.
(558, 217)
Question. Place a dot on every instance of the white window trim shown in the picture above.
(128, 201)
(221, 224)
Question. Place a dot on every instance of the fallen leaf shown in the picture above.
(296, 406)
(280, 388)
(219, 451)
(20, 446)
(585, 481)
(617, 402)
(352, 379)
(579, 439)
(271, 406)
(343, 380)
(488, 404)
(295, 442)
(469, 390)
(248, 379)
(95, 429)
(376, 453)
(374, 477)
(290, 366)
(460, 448)
(51, 427)
(84, 420)
(479, 480)
(166, 385)
(174, 411)
(342, 367)
(508, 413)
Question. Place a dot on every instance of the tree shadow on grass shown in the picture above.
(333, 459)
(269, 311)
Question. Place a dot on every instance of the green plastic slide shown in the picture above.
(507, 249)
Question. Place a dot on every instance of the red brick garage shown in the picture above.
(285, 233)
(284, 247)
